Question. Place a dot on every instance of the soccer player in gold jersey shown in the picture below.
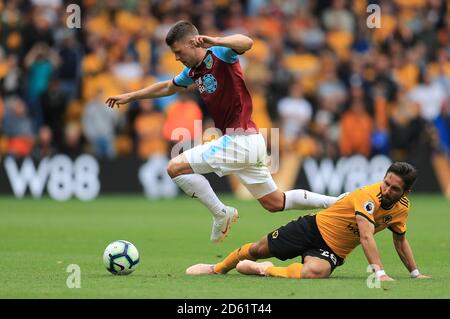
(324, 240)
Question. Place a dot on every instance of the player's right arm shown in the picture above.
(366, 232)
(155, 90)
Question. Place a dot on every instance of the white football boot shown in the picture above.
(222, 224)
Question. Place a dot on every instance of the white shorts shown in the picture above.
(241, 155)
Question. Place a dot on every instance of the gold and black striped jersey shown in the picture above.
(337, 224)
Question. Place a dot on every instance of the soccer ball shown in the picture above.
(121, 257)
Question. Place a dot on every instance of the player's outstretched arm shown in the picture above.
(366, 231)
(238, 42)
(405, 253)
(155, 90)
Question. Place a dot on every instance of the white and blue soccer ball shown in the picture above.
(121, 257)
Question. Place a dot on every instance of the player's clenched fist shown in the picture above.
(203, 41)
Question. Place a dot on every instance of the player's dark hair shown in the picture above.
(180, 30)
(406, 172)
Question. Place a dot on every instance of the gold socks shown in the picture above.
(291, 271)
(233, 259)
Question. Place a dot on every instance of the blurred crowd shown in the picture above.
(333, 85)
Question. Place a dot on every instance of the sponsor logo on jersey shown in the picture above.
(387, 219)
(207, 83)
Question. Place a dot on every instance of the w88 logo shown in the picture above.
(63, 177)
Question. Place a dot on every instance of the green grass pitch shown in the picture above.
(40, 238)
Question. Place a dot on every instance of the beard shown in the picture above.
(388, 202)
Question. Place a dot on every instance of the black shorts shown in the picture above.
(301, 237)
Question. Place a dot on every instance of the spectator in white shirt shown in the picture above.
(430, 96)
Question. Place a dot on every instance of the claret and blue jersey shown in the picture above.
(220, 81)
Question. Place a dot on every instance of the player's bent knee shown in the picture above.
(175, 168)
(274, 209)
(178, 166)
(260, 250)
(309, 272)
(271, 207)
(172, 169)
(273, 202)
(255, 250)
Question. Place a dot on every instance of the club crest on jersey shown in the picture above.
(369, 207)
(208, 61)
(387, 219)
(207, 83)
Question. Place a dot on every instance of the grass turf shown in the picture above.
(40, 238)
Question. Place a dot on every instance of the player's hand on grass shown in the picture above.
(422, 277)
(385, 278)
(118, 99)
(203, 41)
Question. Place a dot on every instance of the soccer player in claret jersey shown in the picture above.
(325, 239)
(212, 65)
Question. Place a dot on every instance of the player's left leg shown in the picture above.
(260, 184)
(258, 180)
(312, 268)
(295, 199)
(194, 185)
(248, 267)
(197, 186)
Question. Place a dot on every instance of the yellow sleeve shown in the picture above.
(365, 205)
(399, 227)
